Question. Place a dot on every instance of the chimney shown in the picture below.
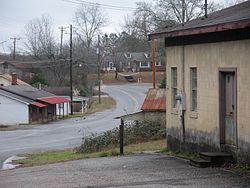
(14, 78)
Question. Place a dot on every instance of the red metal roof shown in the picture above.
(38, 104)
(53, 99)
(155, 100)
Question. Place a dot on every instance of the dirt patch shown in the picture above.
(7, 128)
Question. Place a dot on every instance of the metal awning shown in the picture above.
(40, 105)
(53, 100)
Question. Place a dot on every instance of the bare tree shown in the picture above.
(39, 38)
(150, 17)
(42, 46)
(89, 20)
(192, 8)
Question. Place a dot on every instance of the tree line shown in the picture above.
(88, 22)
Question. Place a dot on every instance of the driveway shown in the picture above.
(68, 133)
(144, 170)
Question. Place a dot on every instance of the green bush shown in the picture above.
(133, 133)
(162, 83)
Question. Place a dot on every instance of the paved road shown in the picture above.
(68, 133)
(144, 170)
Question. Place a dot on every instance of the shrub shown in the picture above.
(135, 132)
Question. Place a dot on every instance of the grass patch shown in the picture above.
(242, 168)
(42, 158)
(106, 103)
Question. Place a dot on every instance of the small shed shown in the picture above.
(80, 103)
(153, 108)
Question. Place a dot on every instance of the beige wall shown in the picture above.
(203, 127)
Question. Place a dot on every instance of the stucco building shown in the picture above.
(208, 83)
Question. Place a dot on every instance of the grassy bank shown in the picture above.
(106, 103)
(49, 157)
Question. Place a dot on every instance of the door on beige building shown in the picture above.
(228, 123)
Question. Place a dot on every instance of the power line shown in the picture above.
(106, 5)
(3, 42)
(111, 7)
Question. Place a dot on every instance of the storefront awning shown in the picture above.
(53, 100)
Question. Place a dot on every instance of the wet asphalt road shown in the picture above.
(68, 133)
(143, 170)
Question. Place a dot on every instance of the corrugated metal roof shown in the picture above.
(229, 18)
(53, 100)
(15, 97)
(27, 91)
(38, 104)
(155, 100)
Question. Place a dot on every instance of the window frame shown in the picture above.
(174, 80)
(143, 64)
(193, 89)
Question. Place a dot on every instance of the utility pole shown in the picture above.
(205, 8)
(99, 81)
(14, 47)
(153, 61)
(183, 11)
(71, 79)
(62, 29)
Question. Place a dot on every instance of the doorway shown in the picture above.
(228, 107)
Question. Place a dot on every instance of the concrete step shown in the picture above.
(199, 162)
(217, 158)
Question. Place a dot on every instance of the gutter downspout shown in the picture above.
(183, 93)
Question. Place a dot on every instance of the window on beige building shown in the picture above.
(193, 79)
(173, 86)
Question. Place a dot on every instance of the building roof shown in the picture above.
(38, 104)
(53, 100)
(31, 95)
(155, 100)
(15, 97)
(62, 91)
(27, 91)
(131, 56)
(231, 18)
(9, 78)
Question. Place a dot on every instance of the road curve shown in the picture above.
(68, 133)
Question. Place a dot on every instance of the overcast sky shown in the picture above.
(15, 14)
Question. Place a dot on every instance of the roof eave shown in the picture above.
(201, 30)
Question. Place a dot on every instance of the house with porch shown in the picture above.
(131, 61)
(208, 83)
(22, 104)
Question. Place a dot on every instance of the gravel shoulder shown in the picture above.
(141, 170)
